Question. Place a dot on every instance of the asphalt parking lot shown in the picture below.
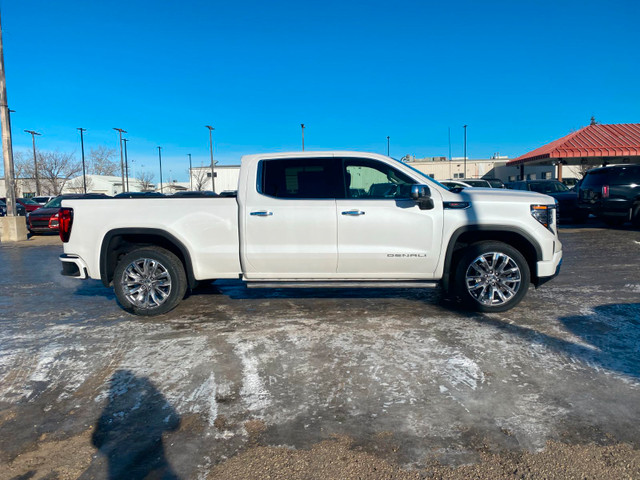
(88, 391)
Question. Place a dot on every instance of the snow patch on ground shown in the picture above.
(254, 392)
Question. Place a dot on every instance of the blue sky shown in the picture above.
(519, 73)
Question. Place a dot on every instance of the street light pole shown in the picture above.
(388, 150)
(213, 173)
(160, 159)
(465, 152)
(35, 159)
(7, 148)
(84, 172)
(190, 173)
(121, 131)
(302, 126)
(126, 162)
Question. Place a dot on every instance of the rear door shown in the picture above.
(290, 220)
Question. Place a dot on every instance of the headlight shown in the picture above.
(544, 214)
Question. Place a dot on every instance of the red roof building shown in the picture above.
(596, 144)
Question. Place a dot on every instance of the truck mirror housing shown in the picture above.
(422, 196)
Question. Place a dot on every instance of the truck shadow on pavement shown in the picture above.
(129, 431)
(94, 288)
(608, 337)
(237, 290)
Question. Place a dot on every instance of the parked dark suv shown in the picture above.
(567, 199)
(612, 193)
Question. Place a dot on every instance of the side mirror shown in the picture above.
(422, 196)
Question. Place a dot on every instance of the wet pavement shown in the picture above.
(88, 391)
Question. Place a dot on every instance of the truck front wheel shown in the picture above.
(491, 277)
(149, 281)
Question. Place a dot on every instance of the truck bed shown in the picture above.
(207, 227)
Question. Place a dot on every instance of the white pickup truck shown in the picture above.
(317, 219)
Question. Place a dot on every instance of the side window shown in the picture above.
(375, 180)
(299, 178)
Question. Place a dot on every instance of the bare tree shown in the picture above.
(584, 168)
(19, 163)
(101, 163)
(55, 169)
(146, 181)
(199, 178)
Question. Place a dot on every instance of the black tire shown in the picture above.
(491, 276)
(580, 217)
(635, 215)
(157, 278)
(613, 221)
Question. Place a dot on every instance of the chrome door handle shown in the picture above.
(353, 213)
(261, 213)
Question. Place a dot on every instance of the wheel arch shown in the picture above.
(120, 241)
(470, 234)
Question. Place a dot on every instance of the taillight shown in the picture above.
(53, 221)
(605, 191)
(65, 219)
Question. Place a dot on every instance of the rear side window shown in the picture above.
(311, 178)
(612, 176)
(548, 187)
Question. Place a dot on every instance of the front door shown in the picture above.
(382, 233)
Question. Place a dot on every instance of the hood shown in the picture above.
(499, 195)
(564, 195)
(44, 212)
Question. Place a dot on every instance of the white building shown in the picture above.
(106, 184)
(226, 178)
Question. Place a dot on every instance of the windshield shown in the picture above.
(422, 174)
(477, 183)
(495, 183)
(55, 203)
(549, 187)
(28, 201)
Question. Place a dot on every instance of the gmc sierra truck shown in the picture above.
(318, 219)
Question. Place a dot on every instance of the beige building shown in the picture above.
(440, 168)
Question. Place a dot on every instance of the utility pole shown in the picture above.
(302, 125)
(213, 174)
(84, 172)
(35, 159)
(126, 162)
(190, 174)
(465, 152)
(449, 152)
(121, 131)
(6, 139)
(160, 160)
(388, 150)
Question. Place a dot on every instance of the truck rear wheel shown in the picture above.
(149, 281)
(491, 276)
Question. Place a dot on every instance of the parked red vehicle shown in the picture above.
(45, 219)
(28, 204)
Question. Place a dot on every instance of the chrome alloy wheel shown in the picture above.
(146, 283)
(493, 278)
